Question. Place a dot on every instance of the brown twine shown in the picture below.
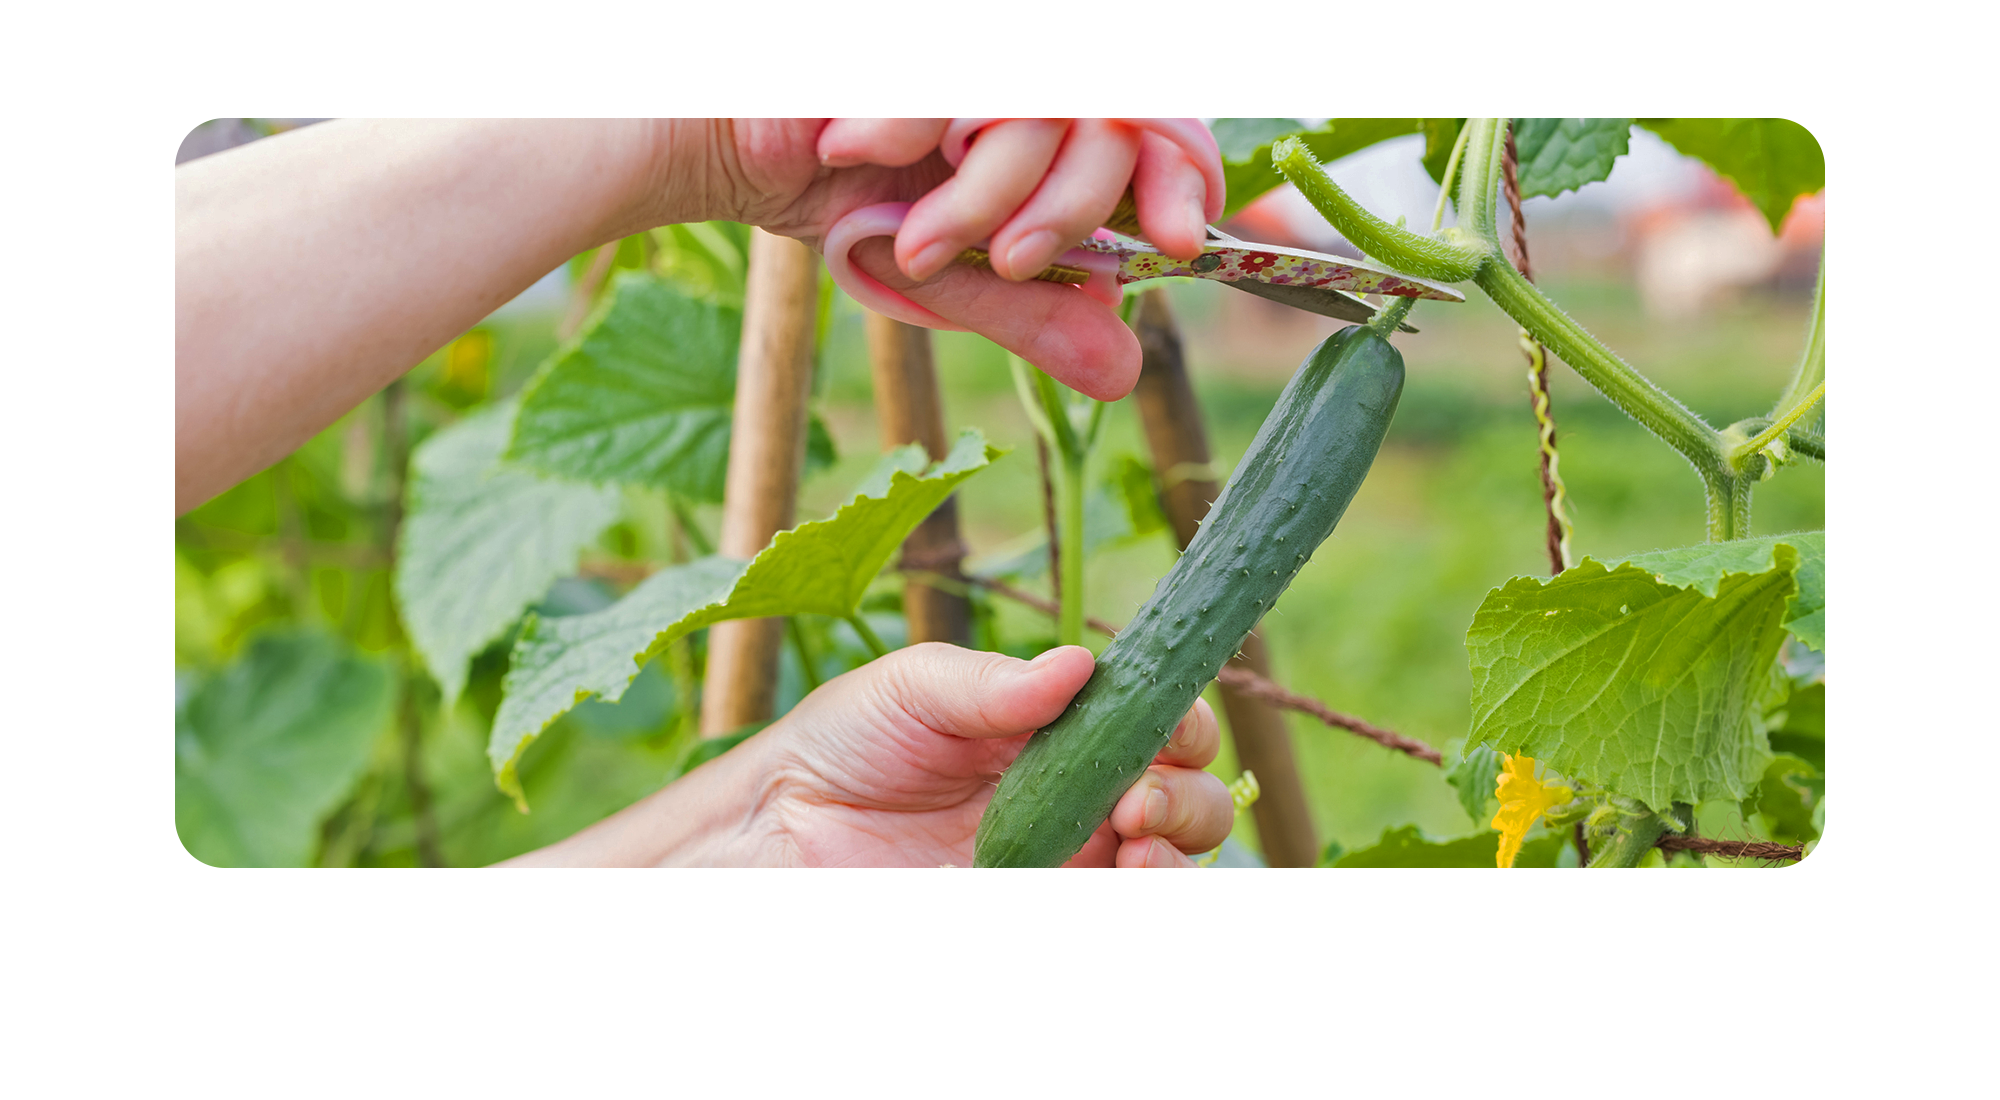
(1538, 363)
(1732, 849)
(1249, 683)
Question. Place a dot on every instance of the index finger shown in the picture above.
(1078, 340)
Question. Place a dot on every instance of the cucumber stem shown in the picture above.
(1395, 246)
(1388, 318)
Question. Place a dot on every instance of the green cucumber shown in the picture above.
(1291, 488)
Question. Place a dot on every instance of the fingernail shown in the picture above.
(1159, 855)
(1047, 656)
(1156, 809)
(930, 260)
(1197, 223)
(1028, 254)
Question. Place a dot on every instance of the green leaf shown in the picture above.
(1649, 679)
(821, 568)
(483, 540)
(1409, 847)
(1703, 567)
(1563, 154)
(910, 458)
(1251, 175)
(1239, 138)
(1130, 481)
(642, 397)
(558, 663)
(1772, 161)
(707, 260)
(1798, 724)
(1790, 790)
(1473, 777)
(266, 748)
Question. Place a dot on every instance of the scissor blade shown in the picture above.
(1327, 303)
(1225, 259)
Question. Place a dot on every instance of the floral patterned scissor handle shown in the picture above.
(1102, 264)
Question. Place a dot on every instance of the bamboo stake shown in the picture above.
(766, 454)
(910, 411)
(1179, 444)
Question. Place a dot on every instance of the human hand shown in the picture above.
(1034, 187)
(892, 765)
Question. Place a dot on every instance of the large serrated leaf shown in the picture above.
(1703, 567)
(1563, 154)
(1252, 174)
(483, 540)
(267, 747)
(643, 397)
(821, 568)
(1649, 678)
(1772, 161)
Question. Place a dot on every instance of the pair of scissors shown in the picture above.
(1104, 263)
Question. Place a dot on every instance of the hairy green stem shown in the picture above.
(867, 634)
(1450, 177)
(1400, 248)
(1479, 180)
(1049, 409)
(1390, 317)
(1797, 439)
(1811, 368)
(1629, 845)
(1626, 388)
(1781, 426)
(1069, 625)
(807, 666)
(1729, 504)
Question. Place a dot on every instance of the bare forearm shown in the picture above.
(313, 268)
(708, 818)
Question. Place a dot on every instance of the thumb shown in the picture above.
(967, 693)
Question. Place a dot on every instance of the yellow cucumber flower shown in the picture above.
(1523, 798)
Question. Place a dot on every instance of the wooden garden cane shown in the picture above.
(766, 454)
(910, 411)
(1180, 453)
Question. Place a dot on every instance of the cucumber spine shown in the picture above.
(1293, 485)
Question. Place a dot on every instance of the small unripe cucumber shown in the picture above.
(1291, 488)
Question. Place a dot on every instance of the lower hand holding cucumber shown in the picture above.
(891, 764)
